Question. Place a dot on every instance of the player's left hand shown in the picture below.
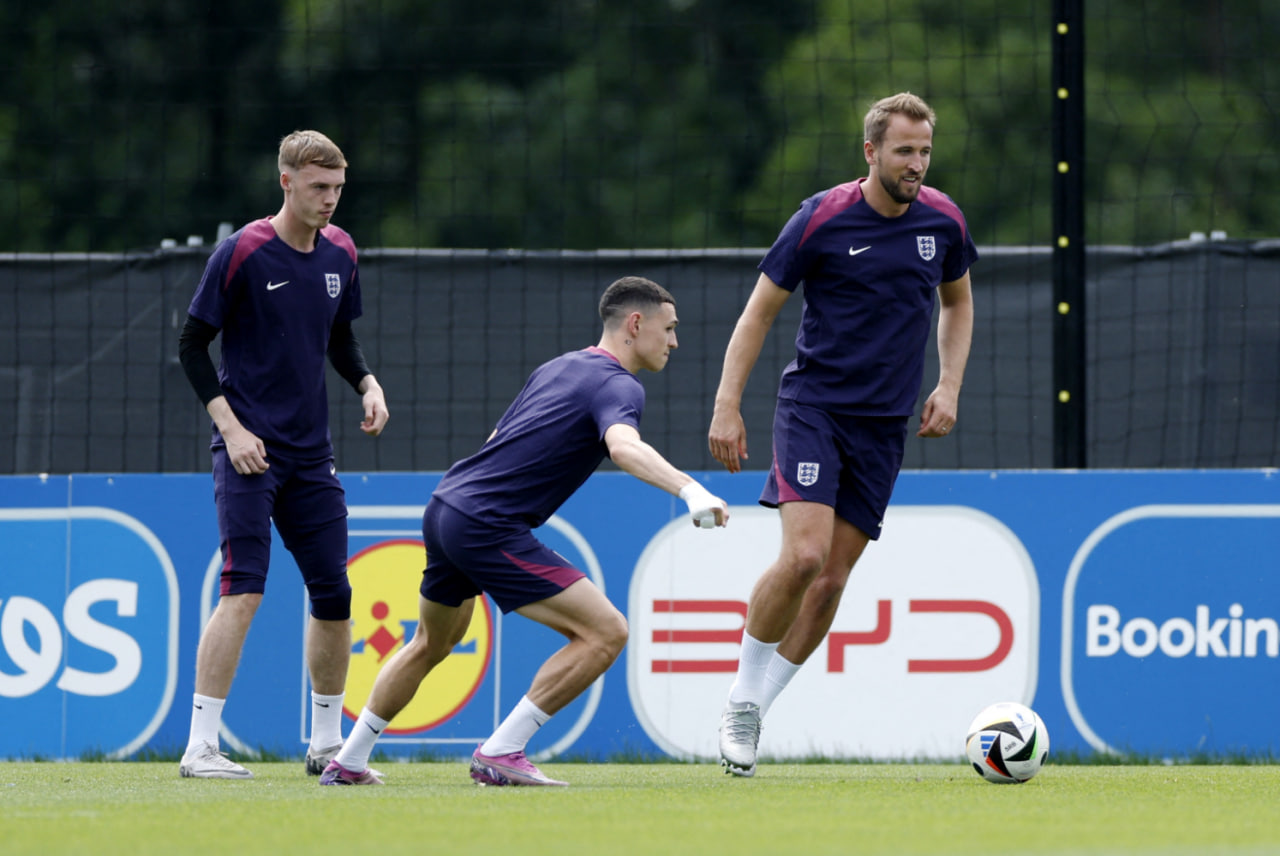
(375, 409)
(939, 414)
(706, 510)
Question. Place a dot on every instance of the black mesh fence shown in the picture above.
(1184, 356)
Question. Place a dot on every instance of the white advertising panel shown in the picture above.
(940, 619)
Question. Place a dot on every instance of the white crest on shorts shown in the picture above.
(927, 246)
(807, 474)
(333, 283)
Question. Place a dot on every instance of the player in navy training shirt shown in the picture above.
(283, 291)
(572, 412)
(870, 254)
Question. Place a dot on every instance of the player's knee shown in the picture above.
(331, 600)
(799, 567)
(425, 651)
(827, 591)
(612, 634)
(244, 604)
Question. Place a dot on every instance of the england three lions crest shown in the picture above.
(333, 283)
(927, 246)
(807, 474)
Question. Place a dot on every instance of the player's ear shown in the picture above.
(633, 323)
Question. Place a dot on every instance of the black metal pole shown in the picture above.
(1068, 239)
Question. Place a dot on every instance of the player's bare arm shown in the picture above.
(636, 457)
(375, 406)
(245, 449)
(955, 334)
(727, 438)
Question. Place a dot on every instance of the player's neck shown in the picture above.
(880, 200)
(293, 232)
(619, 350)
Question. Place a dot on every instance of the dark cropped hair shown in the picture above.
(628, 293)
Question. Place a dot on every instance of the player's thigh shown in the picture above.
(311, 516)
(441, 627)
(444, 584)
(872, 449)
(244, 506)
(581, 611)
(806, 457)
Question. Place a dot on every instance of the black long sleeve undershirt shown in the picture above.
(345, 354)
(193, 352)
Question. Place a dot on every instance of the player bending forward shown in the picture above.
(478, 525)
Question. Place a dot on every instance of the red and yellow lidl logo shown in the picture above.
(384, 617)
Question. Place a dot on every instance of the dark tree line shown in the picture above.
(584, 124)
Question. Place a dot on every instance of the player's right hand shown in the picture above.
(247, 453)
(727, 438)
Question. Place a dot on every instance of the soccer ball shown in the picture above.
(1007, 743)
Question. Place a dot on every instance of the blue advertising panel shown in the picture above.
(88, 627)
(1135, 611)
(1189, 630)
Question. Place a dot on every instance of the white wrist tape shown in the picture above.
(702, 504)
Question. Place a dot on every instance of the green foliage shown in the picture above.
(651, 123)
(982, 66)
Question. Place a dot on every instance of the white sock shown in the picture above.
(355, 752)
(777, 675)
(516, 730)
(326, 720)
(206, 719)
(752, 662)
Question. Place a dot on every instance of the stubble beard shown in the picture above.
(903, 195)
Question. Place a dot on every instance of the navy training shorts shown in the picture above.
(847, 462)
(306, 501)
(466, 556)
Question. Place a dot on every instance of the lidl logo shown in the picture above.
(384, 616)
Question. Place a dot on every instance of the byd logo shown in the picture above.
(837, 641)
(39, 663)
(917, 646)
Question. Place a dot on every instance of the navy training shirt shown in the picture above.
(276, 307)
(869, 284)
(550, 440)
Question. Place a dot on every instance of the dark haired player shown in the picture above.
(871, 254)
(572, 412)
(283, 291)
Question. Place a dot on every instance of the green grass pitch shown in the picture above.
(433, 809)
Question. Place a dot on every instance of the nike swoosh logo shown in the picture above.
(199, 707)
(371, 728)
(852, 252)
(272, 286)
(322, 704)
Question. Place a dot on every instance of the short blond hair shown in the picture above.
(903, 104)
(309, 147)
